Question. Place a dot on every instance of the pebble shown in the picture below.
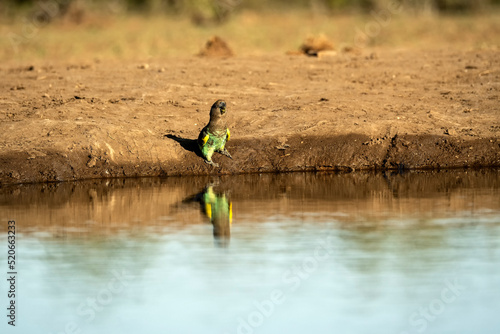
(91, 163)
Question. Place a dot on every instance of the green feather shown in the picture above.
(214, 142)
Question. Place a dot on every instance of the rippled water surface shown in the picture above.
(296, 253)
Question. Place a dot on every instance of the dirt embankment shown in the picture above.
(381, 110)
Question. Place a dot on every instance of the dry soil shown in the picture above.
(385, 109)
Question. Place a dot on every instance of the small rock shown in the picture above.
(92, 161)
(282, 147)
(450, 132)
(143, 66)
(14, 174)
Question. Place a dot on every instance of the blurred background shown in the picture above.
(203, 11)
(141, 29)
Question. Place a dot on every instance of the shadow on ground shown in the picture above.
(190, 145)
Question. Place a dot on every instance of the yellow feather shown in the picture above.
(208, 210)
(228, 134)
(205, 139)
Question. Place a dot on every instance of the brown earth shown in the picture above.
(384, 109)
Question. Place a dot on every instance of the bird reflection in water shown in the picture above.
(216, 205)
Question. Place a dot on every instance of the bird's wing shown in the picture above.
(203, 137)
(208, 210)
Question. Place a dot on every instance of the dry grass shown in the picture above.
(248, 33)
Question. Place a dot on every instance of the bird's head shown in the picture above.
(218, 108)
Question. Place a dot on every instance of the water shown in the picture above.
(295, 253)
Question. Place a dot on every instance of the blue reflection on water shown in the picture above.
(366, 263)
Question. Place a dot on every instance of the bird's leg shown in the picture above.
(208, 157)
(226, 153)
(210, 162)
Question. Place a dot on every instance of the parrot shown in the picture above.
(214, 136)
(219, 209)
(215, 203)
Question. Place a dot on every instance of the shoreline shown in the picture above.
(301, 154)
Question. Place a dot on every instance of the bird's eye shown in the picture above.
(222, 105)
